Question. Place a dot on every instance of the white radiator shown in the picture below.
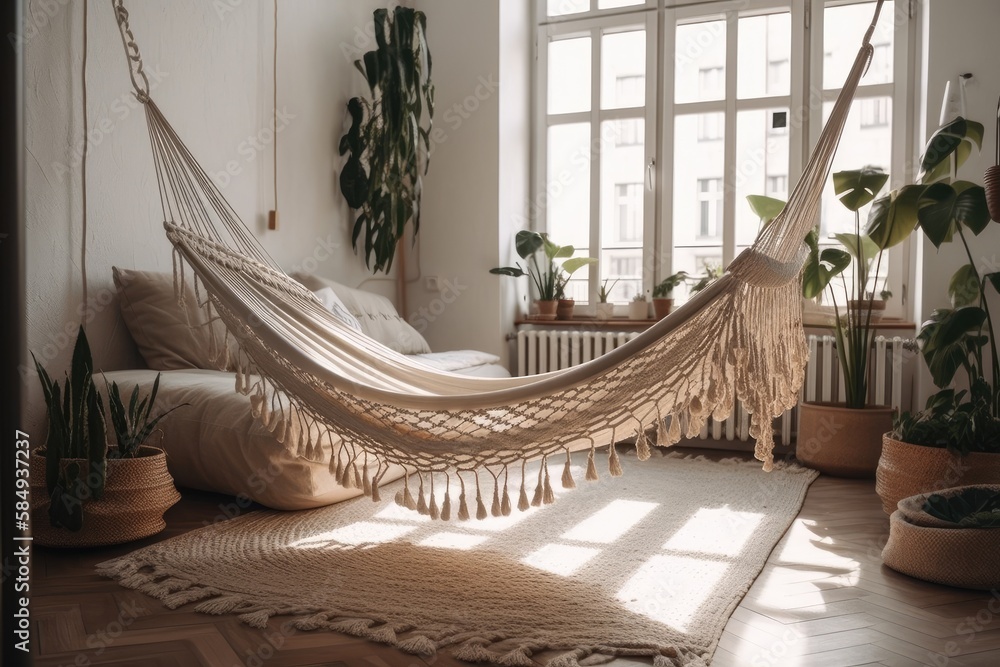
(543, 351)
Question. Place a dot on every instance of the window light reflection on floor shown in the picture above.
(561, 559)
(361, 532)
(720, 531)
(670, 589)
(608, 524)
(447, 540)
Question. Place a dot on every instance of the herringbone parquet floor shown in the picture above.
(823, 600)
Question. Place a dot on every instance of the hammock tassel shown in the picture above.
(567, 477)
(661, 431)
(505, 503)
(339, 471)
(346, 479)
(421, 503)
(548, 497)
(481, 512)
(446, 505)
(408, 501)
(358, 482)
(463, 506)
(495, 509)
(522, 501)
(674, 432)
(591, 465)
(366, 483)
(536, 500)
(614, 463)
(642, 445)
(433, 508)
(376, 496)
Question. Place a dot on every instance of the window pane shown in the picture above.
(761, 165)
(700, 62)
(569, 75)
(623, 70)
(765, 56)
(567, 185)
(563, 7)
(611, 4)
(623, 189)
(843, 28)
(699, 192)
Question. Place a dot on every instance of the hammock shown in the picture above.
(334, 395)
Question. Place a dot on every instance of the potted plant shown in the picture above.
(638, 309)
(548, 277)
(951, 537)
(844, 438)
(955, 439)
(663, 299)
(711, 273)
(605, 310)
(84, 492)
(564, 306)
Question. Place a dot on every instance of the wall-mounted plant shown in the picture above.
(389, 137)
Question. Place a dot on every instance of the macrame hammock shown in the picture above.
(334, 395)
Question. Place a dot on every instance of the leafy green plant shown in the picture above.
(712, 272)
(960, 339)
(604, 292)
(133, 424)
(665, 287)
(389, 138)
(638, 297)
(76, 431)
(974, 507)
(548, 277)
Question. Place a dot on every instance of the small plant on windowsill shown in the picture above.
(638, 308)
(605, 310)
(663, 294)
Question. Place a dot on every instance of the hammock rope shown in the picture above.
(334, 395)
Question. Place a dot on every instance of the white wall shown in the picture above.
(477, 188)
(211, 75)
(958, 36)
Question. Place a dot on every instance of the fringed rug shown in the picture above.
(651, 564)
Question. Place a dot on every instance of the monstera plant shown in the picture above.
(388, 143)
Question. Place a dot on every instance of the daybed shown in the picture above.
(214, 444)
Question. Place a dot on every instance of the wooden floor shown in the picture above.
(824, 599)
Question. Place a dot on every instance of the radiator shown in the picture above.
(541, 351)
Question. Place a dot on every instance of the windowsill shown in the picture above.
(623, 323)
(886, 324)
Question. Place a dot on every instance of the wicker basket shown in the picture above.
(992, 183)
(841, 441)
(907, 470)
(136, 494)
(933, 550)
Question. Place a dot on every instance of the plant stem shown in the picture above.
(995, 404)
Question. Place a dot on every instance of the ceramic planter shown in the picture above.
(906, 470)
(546, 309)
(136, 494)
(841, 441)
(860, 309)
(662, 307)
(638, 310)
(564, 309)
(605, 311)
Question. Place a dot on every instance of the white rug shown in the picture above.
(649, 564)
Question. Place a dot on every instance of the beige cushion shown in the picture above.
(168, 336)
(377, 315)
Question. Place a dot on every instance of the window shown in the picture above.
(628, 209)
(710, 207)
(651, 185)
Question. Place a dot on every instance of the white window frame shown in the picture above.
(806, 67)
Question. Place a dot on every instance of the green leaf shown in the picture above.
(993, 279)
(973, 507)
(574, 263)
(943, 339)
(856, 188)
(964, 287)
(936, 213)
(868, 249)
(527, 243)
(893, 217)
(765, 208)
(821, 268)
(514, 271)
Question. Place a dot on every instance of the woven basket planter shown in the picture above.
(840, 441)
(136, 494)
(928, 548)
(907, 470)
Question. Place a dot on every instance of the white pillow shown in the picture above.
(332, 302)
(375, 313)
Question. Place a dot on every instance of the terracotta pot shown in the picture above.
(841, 441)
(564, 309)
(638, 310)
(662, 307)
(546, 309)
(136, 494)
(605, 311)
(905, 470)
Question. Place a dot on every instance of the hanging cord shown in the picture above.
(83, 169)
(274, 107)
